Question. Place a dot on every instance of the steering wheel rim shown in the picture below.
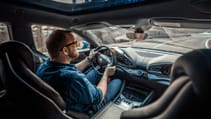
(100, 61)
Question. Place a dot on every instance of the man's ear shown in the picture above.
(65, 50)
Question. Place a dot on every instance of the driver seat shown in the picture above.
(31, 95)
(188, 95)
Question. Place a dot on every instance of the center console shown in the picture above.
(133, 98)
(130, 97)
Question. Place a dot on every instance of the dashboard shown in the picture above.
(145, 63)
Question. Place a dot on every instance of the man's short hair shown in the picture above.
(56, 41)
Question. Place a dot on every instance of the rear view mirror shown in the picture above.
(131, 35)
(138, 36)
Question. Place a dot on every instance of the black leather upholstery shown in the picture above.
(21, 62)
(187, 96)
(26, 89)
(196, 65)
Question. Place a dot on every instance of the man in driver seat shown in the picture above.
(80, 91)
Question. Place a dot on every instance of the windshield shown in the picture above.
(111, 35)
(179, 40)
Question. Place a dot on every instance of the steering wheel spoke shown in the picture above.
(97, 67)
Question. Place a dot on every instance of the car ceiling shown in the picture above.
(18, 12)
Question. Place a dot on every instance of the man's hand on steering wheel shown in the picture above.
(92, 54)
(100, 60)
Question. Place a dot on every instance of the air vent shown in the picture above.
(162, 69)
(155, 68)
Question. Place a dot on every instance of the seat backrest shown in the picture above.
(2, 81)
(25, 87)
(1, 76)
(21, 62)
(187, 96)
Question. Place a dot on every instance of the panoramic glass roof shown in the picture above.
(82, 6)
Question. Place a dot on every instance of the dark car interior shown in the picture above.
(179, 91)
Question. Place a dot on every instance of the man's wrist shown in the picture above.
(88, 59)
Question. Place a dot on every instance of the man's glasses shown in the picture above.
(73, 43)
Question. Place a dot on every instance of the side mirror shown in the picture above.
(83, 44)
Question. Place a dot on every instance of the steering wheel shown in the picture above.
(101, 60)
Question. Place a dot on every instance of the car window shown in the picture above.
(4, 35)
(41, 33)
(82, 43)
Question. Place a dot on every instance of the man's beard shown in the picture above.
(74, 55)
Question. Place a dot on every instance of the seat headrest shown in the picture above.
(197, 66)
(19, 49)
